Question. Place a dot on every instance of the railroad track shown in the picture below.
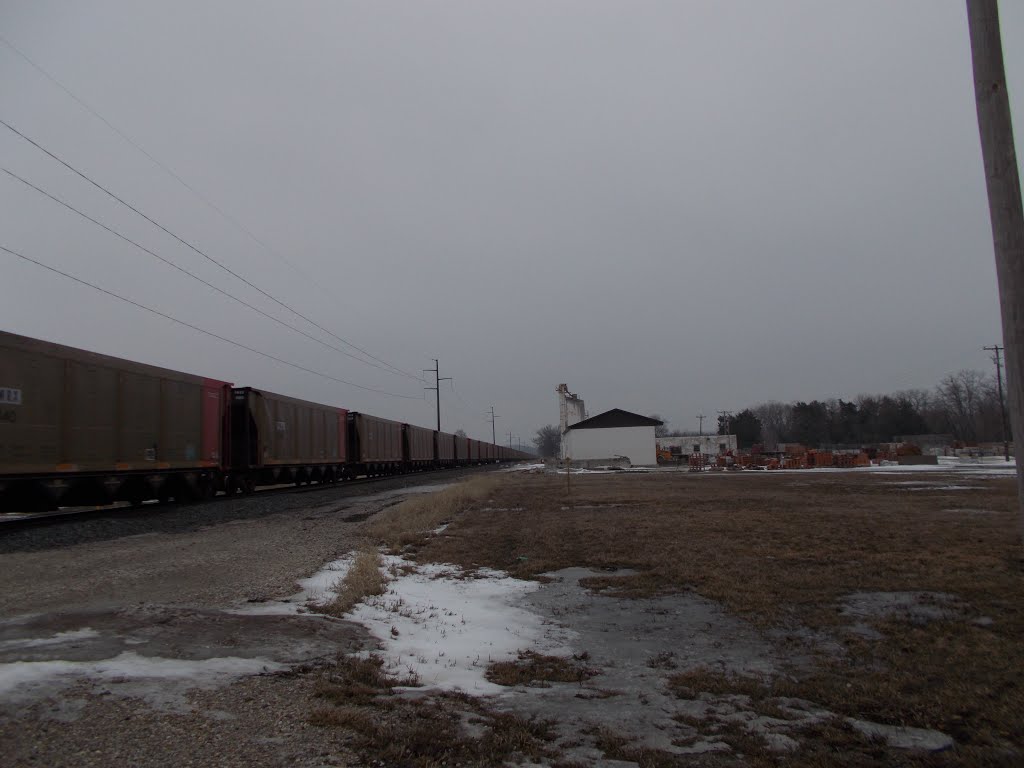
(20, 521)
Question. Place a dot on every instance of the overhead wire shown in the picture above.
(199, 329)
(197, 250)
(181, 269)
(91, 110)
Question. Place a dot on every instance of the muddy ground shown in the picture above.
(818, 619)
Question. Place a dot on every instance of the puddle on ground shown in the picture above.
(635, 645)
(917, 607)
(155, 653)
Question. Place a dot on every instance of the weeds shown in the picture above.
(784, 557)
(537, 671)
(411, 521)
(423, 733)
(363, 580)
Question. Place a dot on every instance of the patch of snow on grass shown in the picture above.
(130, 666)
(446, 626)
(59, 639)
(318, 589)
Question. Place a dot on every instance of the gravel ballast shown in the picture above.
(171, 593)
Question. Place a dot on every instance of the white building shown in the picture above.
(611, 435)
(708, 445)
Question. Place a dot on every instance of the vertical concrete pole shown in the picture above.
(1002, 180)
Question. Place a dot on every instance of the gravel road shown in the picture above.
(127, 647)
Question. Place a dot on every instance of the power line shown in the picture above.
(181, 269)
(88, 108)
(152, 159)
(201, 330)
(187, 186)
(206, 256)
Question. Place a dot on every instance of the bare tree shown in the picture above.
(548, 441)
(961, 399)
(661, 430)
(775, 418)
(1006, 211)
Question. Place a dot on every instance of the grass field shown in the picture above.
(898, 597)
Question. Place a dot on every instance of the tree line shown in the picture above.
(964, 405)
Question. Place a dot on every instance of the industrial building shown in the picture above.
(705, 445)
(610, 436)
(614, 434)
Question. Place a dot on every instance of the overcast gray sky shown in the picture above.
(675, 206)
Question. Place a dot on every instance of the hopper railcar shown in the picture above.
(81, 428)
(375, 445)
(274, 439)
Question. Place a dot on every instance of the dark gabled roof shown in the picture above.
(616, 417)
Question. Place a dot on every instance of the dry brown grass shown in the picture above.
(355, 680)
(538, 670)
(362, 580)
(427, 732)
(410, 522)
(782, 550)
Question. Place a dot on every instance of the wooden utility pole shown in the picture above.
(1002, 180)
(494, 440)
(438, 378)
(996, 350)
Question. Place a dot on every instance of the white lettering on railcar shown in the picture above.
(10, 396)
(281, 426)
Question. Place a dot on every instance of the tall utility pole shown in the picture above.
(995, 350)
(1002, 180)
(493, 417)
(723, 417)
(436, 370)
(700, 424)
(509, 439)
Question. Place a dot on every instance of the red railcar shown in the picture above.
(374, 444)
(418, 449)
(276, 439)
(78, 427)
(445, 449)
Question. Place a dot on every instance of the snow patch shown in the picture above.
(59, 639)
(128, 666)
(317, 590)
(446, 626)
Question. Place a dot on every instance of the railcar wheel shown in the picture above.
(205, 489)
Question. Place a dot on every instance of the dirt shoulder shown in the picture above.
(150, 649)
(213, 555)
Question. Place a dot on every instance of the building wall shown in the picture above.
(710, 445)
(637, 443)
